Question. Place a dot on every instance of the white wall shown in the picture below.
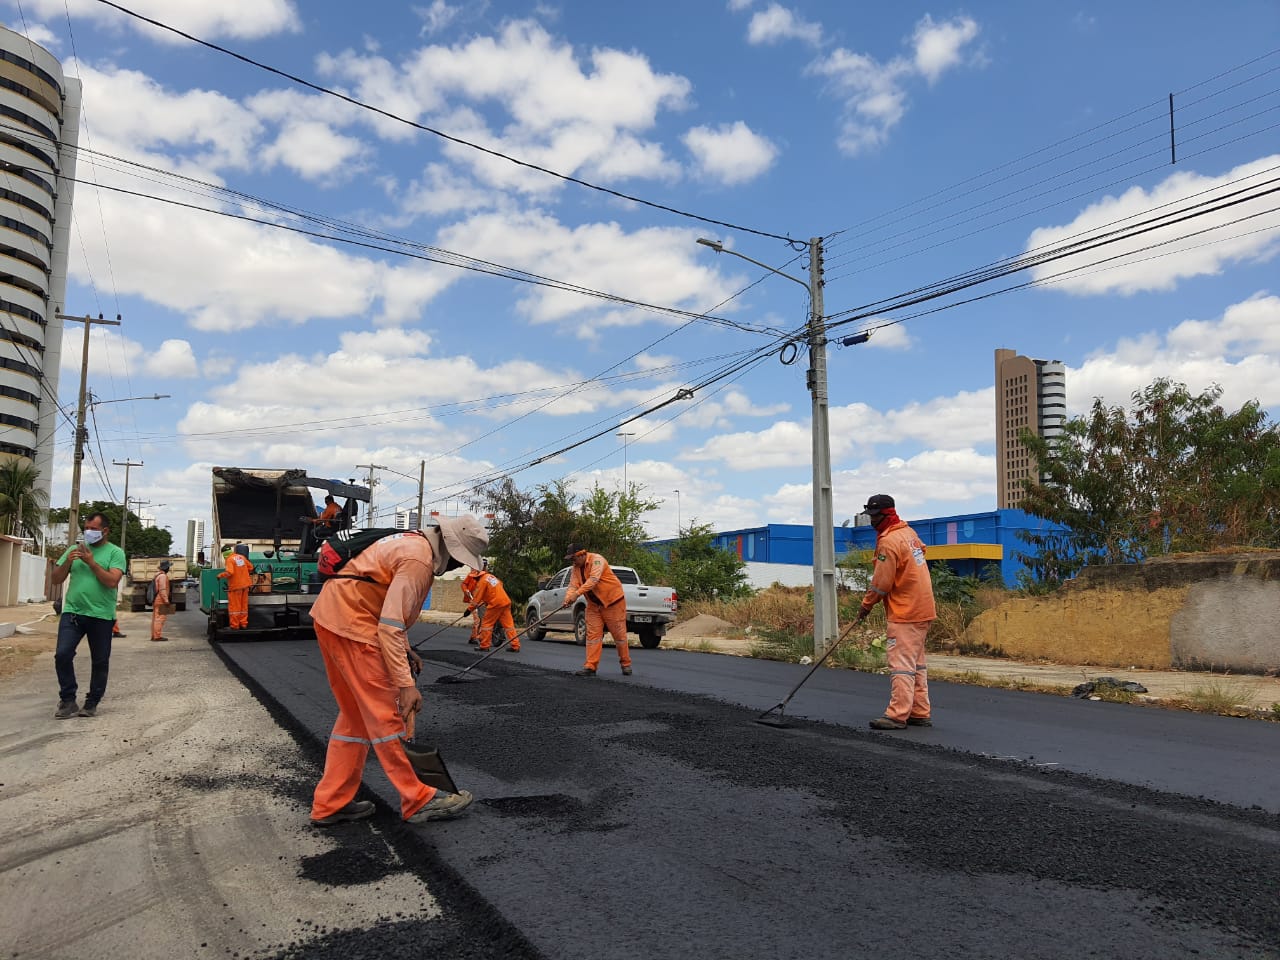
(761, 575)
(31, 578)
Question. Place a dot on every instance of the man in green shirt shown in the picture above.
(88, 610)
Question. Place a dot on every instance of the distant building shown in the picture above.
(1031, 395)
(195, 538)
(38, 140)
(406, 520)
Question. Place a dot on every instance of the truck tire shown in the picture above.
(531, 616)
(580, 626)
(649, 638)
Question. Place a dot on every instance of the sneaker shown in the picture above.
(119, 635)
(159, 639)
(355, 810)
(626, 671)
(919, 722)
(88, 710)
(443, 806)
(584, 672)
(884, 723)
(66, 708)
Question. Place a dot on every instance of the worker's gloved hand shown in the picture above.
(569, 597)
(862, 614)
(409, 701)
(470, 611)
(415, 663)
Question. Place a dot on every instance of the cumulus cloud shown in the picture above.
(242, 19)
(1206, 253)
(874, 92)
(731, 153)
(113, 355)
(40, 34)
(437, 17)
(776, 23)
(173, 358)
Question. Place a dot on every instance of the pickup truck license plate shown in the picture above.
(643, 618)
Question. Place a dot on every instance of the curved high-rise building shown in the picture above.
(1031, 395)
(39, 126)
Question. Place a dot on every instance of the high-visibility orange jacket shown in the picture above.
(331, 511)
(901, 577)
(595, 578)
(489, 592)
(469, 587)
(237, 573)
(380, 612)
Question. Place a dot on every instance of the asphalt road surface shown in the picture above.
(648, 817)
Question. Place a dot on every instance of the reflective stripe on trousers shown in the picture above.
(908, 677)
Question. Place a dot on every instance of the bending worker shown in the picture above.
(160, 601)
(593, 578)
(360, 620)
(475, 609)
(239, 577)
(490, 594)
(901, 579)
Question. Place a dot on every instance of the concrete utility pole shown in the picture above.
(422, 483)
(73, 515)
(625, 437)
(124, 519)
(677, 493)
(373, 513)
(825, 625)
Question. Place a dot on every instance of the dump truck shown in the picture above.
(142, 570)
(268, 511)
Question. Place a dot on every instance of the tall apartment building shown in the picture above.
(195, 539)
(39, 128)
(1031, 395)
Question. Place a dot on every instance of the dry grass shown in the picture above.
(777, 608)
(860, 652)
(701, 645)
(974, 678)
(1215, 697)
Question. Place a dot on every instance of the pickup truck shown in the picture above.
(650, 610)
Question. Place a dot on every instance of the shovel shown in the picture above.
(458, 677)
(780, 721)
(427, 763)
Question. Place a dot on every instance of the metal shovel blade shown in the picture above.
(429, 767)
(778, 722)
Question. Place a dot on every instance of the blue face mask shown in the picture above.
(92, 537)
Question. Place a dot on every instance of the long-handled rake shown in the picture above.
(780, 721)
(435, 633)
(458, 677)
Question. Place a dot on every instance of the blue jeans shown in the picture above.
(71, 628)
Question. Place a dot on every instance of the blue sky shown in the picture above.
(925, 140)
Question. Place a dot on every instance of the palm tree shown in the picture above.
(22, 502)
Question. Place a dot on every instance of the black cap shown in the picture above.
(573, 551)
(879, 502)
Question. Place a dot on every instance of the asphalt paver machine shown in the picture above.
(269, 511)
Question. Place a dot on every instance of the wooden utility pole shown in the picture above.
(124, 518)
(73, 515)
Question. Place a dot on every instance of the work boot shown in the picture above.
(884, 723)
(117, 633)
(88, 710)
(626, 671)
(919, 722)
(66, 708)
(443, 806)
(514, 648)
(584, 672)
(485, 648)
(355, 810)
(159, 639)
(473, 641)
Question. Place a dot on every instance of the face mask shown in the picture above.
(92, 537)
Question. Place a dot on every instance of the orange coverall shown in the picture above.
(361, 627)
(239, 578)
(468, 594)
(490, 594)
(606, 607)
(901, 579)
(162, 596)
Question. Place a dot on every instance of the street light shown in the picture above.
(825, 626)
(677, 493)
(624, 437)
(421, 477)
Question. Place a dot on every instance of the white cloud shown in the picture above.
(941, 46)
(38, 33)
(242, 19)
(174, 358)
(113, 355)
(1255, 239)
(436, 17)
(776, 23)
(737, 6)
(315, 151)
(731, 153)
(874, 92)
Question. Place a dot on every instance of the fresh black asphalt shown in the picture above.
(648, 817)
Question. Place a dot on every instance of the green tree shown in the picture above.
(1175, 472)
(141, 541)
(698, 570)
(22, 502)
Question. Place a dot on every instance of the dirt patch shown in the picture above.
(703, 625)
(18, 653)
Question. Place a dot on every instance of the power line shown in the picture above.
(437, 133)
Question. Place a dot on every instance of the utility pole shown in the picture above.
(124, 520)
(825, 611)
(422, 482)
(625, 437)
(373, 513)
(73, 515)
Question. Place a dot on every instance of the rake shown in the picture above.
(435, 633)
(780, 721)
(458, 677)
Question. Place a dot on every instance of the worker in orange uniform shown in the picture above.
(239, 577)
(475, 609)
(901, 579)
(490, 594)
(327, 521)
(593, 578)
(360, 620)
(160, 601)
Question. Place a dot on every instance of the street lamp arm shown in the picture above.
(95, 402)
(719, 247)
